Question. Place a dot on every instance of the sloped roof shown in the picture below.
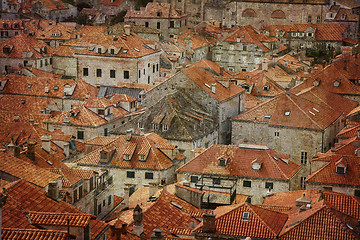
(216, 67)
(290, 110)
(240, 163)
(60, 219)
(68, 178)
(349, 132)
(205, 79)
(34, 199)
(263, 223)
(112, 2)
(156, 159)
(52, 4)
(195, 40)
(33, 234)
(319, 222)
(24, 43)
(263, 85)
(327, 174)
(23, 170)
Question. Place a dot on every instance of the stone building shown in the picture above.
(222, 100)
(23, 50)
(10, 28)
(179, 119)
(300, 125)
(243, 49)
(107, 60)
(264, 13)
(162, 16)
(133, 160)
(249, 169)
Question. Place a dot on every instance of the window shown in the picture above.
(46, 62)
(309, 19)
(194, 179)
(75, 195)
(247, 183)
(139, 73)
(104, 203)
(302, 182)
(328, 188)
(153, 68)
(99, 208)
(303, 157)
(340, 170)
(130, 174)
(146, 24)
(172, 24)
(112, 73)
(80, 192)
(99, 50)
(318, 19)
(357, 193)
(148, 79)
(244, 48)
(126, 75)
(80, 134)
(157, 67)
(277, 134)
(156, 126)
(269, 185)
(101, 111)
(310, 34)
(245, 216)
(85, 72)
(164, 127)
(158, 25)
(41, 63)
(126, 157)
(109, 200)
(149, 175)
(112, 51)
(103, 155)
(216, 181)
(98, 73)
(222, 162)
(106, 132)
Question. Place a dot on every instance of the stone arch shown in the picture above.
(278, 14)
(249, 13)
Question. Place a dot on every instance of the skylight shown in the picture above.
(136, 49)
(245, 216)
(287, 113)
(315, 109)
(312, 113)
(267, 116)
(124, 51)
(91, 49)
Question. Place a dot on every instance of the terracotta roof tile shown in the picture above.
(33, 234)
(68, 176)
(204, 63)
(60, 219)
(327, 174)
(349, 132)
(23, 170)
(34, 199)
(262, 223)
(240, 163)
(156, 159)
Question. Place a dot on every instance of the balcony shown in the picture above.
(104, 185)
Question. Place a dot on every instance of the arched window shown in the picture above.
(249, 13)
(278, 14)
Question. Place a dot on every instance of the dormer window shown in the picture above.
(287, 113)
(164, 127)
(266, 88)
(112, 51)
(340, 170)
(245, 216)
(101, 111)
(337, 83)
(141, 157)
(223, 162)
(158, 14)
(99, 50)
(156, 126)
(103, 155)
(126, 157)
(7, 49)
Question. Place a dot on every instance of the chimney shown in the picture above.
(31, 150)
(127, 29)
(54, 190)
(13, 150)
(209, 223)
(345, 65)
(138, 216)
(157, 235)
(128, 135)
(126, 198)
(67, 149)
(303, 203)
(152, 189)
(213, 88)
(66, 119)
(46, 142)
(222, 70)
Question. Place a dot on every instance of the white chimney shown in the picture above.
(46, 142)
(66, 149)
(127, 29)
(213, 88)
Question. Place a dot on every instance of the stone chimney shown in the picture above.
(127, 29)
(128, 135)
(31, 150)
(213, 88)
(13, 150)
(138, 216)
(67, 149)
(209, 223)
(46, 142)
(157, 235)
(303, 203)
(54, 190)
(126, 197)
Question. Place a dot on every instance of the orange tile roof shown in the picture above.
(156, 159)
(303, 113)
(34, 199)
(195, 41)
(44, 29)
(349, 132)
(60, 219)
(240, 163)
(347, 204)
(68, 178)
(23, 170)
(100, 141)
(263, 85)
(116, 98)
(263, 223)
(24, 43)
(204, 63)
(319, 222)
(327, 174)
(33, 234)
(248, 34)
(52, 4)
(205, 79)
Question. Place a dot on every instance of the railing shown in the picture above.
(102, 186)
